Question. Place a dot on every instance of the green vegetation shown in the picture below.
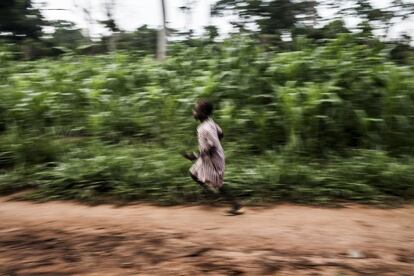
(320, 123)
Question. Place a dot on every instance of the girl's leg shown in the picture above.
(222, 192)
(235, 205)
(197, 180)
(201, 183)
(206, 191)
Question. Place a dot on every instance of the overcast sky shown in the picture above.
(130, 14)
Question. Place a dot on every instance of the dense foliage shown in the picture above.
(19, 19)
(320, 123)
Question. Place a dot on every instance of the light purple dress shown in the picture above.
(209, 169)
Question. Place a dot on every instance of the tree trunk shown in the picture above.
(162, 35)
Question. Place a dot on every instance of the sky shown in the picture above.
(131, 14)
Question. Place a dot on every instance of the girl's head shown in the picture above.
(202, 110)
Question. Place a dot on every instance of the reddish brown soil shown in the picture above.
(62, 238)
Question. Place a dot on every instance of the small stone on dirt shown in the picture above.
(355, 254)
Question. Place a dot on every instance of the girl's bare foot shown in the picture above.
(235, 210)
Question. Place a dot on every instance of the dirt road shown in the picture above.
(62, 238)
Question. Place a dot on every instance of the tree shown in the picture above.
(271, 17)
(329, 31)
(162, 36)
(211, 32)
(86, 10)
(110, 23)
(67, 35)
(19, 19)
(143, 39)
(188, 9)
(377, 18)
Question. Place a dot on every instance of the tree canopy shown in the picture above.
(20, 19)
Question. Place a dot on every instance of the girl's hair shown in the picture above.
(205, 107)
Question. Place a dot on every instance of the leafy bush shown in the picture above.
(330, 121)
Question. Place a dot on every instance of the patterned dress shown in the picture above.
(209, 169)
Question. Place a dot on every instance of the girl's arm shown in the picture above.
(220, 133)
(190, 156)
(206, 142)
